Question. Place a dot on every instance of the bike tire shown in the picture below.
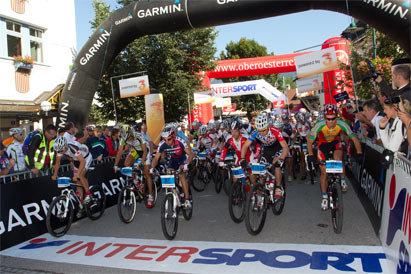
(218, 179)
(188, 213)
(97, 205)
(126, 204)
(337, 211)
(169, 217)
(278, 205)
(255, 216)
(237, 202)
(295, 165)
(199, 184)
(154, 193)
(227, 181)
(58, 226)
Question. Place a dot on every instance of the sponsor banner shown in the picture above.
(24, 204)
(247, 88)
(311, 83)
(202, 257)
(134, 86)
(341, 97)
(222, 102)
(204, 97)
(279, 104)
(316, 62)
(368, 180)
(229, 109)
(396, 216)
(154, 116)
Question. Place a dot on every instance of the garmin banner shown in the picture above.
(24, 204)
(143, 18)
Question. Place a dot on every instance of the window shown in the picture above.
(20, 40)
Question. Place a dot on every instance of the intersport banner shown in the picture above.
(142, 18)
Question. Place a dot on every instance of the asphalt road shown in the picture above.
(302, 222)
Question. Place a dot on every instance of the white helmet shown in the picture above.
(303, 110)
(15, 130)
(60, 143)
(210, 125)
(167, 131)
(278, 123)
(261, 122)
(202, 130)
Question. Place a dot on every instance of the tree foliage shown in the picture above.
(172, 62)
(246, 48)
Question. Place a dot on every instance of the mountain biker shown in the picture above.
(15, 149)
(303, 128)
(275, 149)
(328, 132)
(177, 151)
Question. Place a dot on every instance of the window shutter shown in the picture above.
(18, 6)
(22, 79)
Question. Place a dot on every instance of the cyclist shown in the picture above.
(82, 160)
(286, 131)
(303, 128)
(177, 151)
(193, 135)
(329, 133)
(275, 149)
(15, 149)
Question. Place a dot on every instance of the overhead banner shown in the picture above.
(316, 62)
(135, 86)
(204, 97)
(311, 83)
(222, 102)
(246, 88)
(154, 116)
(229, 109)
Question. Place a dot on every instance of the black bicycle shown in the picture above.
(237, 194)
(205, 171)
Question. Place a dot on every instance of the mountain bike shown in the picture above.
(237, 194)
(205, 170)
(62, 209)
(173, 203)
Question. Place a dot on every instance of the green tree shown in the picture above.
(172, 62)
(246, 48)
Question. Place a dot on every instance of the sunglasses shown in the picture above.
(331, 119)
(169, 139)
(261, 130)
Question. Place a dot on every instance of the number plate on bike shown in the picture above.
(128, 171)
(296, 146)
(167, 181)
(333, 166)
(304, 147)
(258, 169)
(229, 157)
(202, 156)
(137, 163)
(237, 172)
(63, 182)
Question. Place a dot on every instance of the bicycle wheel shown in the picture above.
(256, 209)
(169, 217)
(188, 213)
(337, 210)
(126, 204)
(295, 164)
(199, 184)
(237, 201)
(278, 205)
(97, 205)
(154, 193)
(218, 179)
(227, 181)
(59, 216)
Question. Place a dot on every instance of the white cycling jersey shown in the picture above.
(15, 151)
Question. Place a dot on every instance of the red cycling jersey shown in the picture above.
(237, 146)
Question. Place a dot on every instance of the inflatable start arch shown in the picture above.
(158, 16)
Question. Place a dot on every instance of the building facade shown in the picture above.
(37, 41)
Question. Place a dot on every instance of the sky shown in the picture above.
(281, 35)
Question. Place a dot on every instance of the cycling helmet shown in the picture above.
(202, 130)
(196, 124)
(315, 113)
(285, 116)
(270, 121)
(225, 124)
(261, 122)
(15, 130)
(235, 125)
(125, 132)
(300, 117)
(60, 143)
(167, 132)
(210, 125)
(330, 109)
(303, 110)
(278, 123)
(320, 116)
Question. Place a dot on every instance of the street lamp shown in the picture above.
(45, 106)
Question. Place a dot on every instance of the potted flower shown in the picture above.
(21, 62)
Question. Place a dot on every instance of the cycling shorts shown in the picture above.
(88, 160)
(135, 153)
(325, 148)
(175, 163)
(269, 153)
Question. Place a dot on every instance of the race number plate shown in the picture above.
(258, 169)
(229, 157)
(296, 146)
(167, 181)
(128, 171)
(202, 156)
(238, 172)
(333, 167)
(137, 163)
(63, 182)
(304, 147)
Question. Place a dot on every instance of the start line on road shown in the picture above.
(202, 257)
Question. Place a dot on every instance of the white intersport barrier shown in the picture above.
(395, 233)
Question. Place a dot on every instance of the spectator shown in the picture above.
(147, 137)
(90, 131)
(391, 128)
(15, 149)
(371, 117)
(106, 133)
(40, 154)
(400, 79)
(97, 145)
(113, 142)
(6, 164)
(405, 116)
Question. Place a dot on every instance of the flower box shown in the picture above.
(21, 65)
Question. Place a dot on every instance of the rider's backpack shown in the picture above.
(27, 140)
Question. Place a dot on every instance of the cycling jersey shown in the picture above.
(136, 143)
(327, 135)
(232, 144)
(303, 129)
(268, 140)
(76, 149)
(206, 141)
(15, 151)
(176, 153)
